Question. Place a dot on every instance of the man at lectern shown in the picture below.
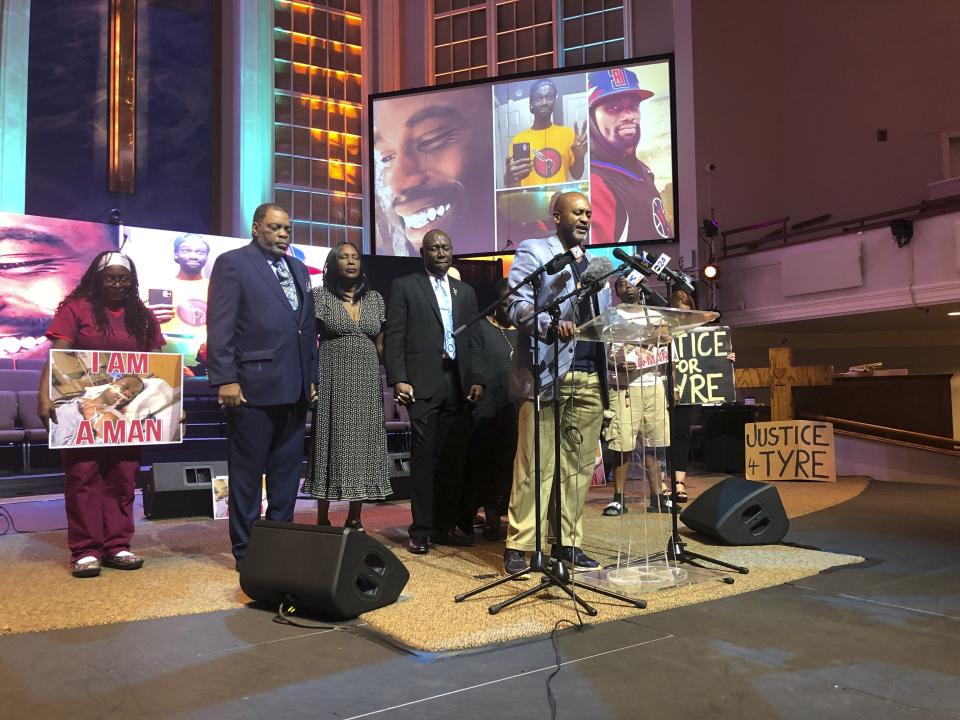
(582, 392)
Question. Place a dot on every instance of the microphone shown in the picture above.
(645, 263)
(653, 297)
(559, 261)
(630, 260)
(598, 269)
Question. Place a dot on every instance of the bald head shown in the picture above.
(437, 252)
(571, 215)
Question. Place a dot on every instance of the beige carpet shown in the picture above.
(189, 570)
(427, 619)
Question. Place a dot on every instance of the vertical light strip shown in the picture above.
(14, 59)
(253, 93)
(122, 128)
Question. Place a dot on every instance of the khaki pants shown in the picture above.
(581, 411)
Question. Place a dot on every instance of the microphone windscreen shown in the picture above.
(597, 268)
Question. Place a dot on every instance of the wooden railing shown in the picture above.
(895, 436)
(738, 242)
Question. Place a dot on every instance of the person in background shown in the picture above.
(103, 312)
(349, 441)
(434, 375)
(682, 415)
(639, 406)
(493, 439)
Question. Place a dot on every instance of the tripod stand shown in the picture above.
(554, 572)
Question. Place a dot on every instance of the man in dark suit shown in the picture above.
(262, 357)
(432, 374)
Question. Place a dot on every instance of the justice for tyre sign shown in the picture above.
(704, 373)
(790, 450)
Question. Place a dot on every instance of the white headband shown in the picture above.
(114, 258)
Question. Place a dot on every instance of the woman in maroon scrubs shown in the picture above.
(104, 312)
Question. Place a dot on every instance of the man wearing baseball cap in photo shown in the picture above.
(627, 206)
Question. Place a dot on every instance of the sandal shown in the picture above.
(353, 525)
(659, 503)
(615, 508)
(85, 567)
(681, 495)
(123, 560)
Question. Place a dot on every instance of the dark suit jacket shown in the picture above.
(413, 336)
(254, 337)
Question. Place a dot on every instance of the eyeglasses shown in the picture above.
(119, 281)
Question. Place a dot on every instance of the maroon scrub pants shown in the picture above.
(98, 490)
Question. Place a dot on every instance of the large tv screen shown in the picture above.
(483, 161)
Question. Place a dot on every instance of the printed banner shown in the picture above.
(174, 270)
(115, 398)
(790, 450)
(704, 373)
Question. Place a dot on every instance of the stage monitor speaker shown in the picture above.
(736, 511)
(181, 489)
(334, 572)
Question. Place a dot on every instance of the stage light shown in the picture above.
(711, 270)
(711, 228)
(902, 231)
(116, 217)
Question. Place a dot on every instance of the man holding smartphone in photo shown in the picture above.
(545, 153)
(181, 307)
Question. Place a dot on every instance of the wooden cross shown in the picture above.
(781, 377)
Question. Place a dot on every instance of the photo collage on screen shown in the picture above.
(484, 163)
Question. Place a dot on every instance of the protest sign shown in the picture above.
(704, 374)
(790, 450)
(115, 398)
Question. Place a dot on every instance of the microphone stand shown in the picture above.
(676, 548)
(554, 572)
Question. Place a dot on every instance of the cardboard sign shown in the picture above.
(704, 374)
(115, 398)
(790, 450)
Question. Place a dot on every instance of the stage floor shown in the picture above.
(875, 640)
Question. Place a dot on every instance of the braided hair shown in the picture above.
(139, 321)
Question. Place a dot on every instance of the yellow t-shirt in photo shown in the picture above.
(550, 152)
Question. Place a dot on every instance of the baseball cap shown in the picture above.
(602, 84)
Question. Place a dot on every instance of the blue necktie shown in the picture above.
(446, 312)
(286, 282)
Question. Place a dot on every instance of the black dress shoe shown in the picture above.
(418, 546)
(456, 538)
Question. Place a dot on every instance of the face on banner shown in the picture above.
(486, 162)
(41, 261)
(432, 170)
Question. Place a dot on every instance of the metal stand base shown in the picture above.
(555, 574)
(676, 551)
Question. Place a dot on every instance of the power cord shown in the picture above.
(7, 523)
(288, 605)
(551, 698)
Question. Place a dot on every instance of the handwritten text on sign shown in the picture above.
(704, 373)
(790, 450)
